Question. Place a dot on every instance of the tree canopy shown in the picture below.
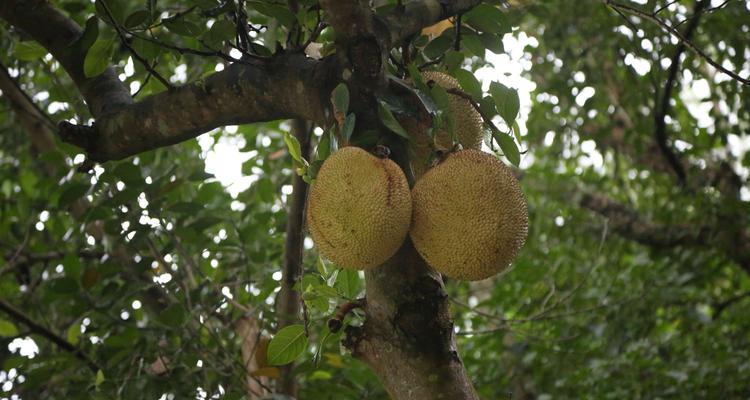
(127, 270)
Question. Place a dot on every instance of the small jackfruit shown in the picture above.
(359, 209)
(469, 217)
(468, 125)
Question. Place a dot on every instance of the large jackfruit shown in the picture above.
(359, 209)
(469, 217)
(468, 125)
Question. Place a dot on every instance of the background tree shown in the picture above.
(129, 271)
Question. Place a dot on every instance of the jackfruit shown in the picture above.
(469, 217)
(468, 125)
(359, 209)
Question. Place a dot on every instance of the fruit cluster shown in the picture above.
(466, 216)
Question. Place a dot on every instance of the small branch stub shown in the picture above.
(381, 151)
(337, 321)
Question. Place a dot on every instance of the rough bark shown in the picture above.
(285, 86)
(288, 301)
(731, 238)
(407, 337)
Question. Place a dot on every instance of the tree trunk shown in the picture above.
(288, 302)
(407, 337)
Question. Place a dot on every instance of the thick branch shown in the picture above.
(407, 337)
(285, 86)
(288, 303)
(733, 241)
(59, 34)
(409, 20)
(627, 222)
(19, 316)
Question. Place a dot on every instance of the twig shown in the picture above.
(487, 119)
(457, 36)
(19, 316)
(650, 17)
(23, 259)
(135, 54)
(721, 307)
(663, 110)
(337, 321)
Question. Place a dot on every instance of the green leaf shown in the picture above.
(438, 46)
(324, 146)
(146, 49)
(348, 128)
(321, 266)
(73, 192)
(288, 344)
(28, 181)
(266, 190)
(295, 150)
(65, 286)
(493, 42)
(129, 173)
(278, 12)
(74, 333)
(390, 121)
(441, 97)
(487, 105)
(506, 101)
(7, 329)
(221, 31)
(486, 18)
(416, 77)
(474, 44)
(182, 27)
(509, 148)
(29, 51)
(115, 7)
(173, 316)
(340, 100)
(137, 18)
(89, 36)
(348, 283)
(99, 378)
(98, 58)
(516, 131)
(469, 83)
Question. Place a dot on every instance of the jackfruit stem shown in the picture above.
(381, 151)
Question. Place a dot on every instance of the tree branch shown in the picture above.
(19, 316)
(288, 302)
(286, 86)
(628, 223)
(663, 109)
(59, 35)
(412, 17)
(289, 85)
(734, 243)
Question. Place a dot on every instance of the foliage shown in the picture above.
(151, 260)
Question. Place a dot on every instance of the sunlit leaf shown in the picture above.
(288, 344)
